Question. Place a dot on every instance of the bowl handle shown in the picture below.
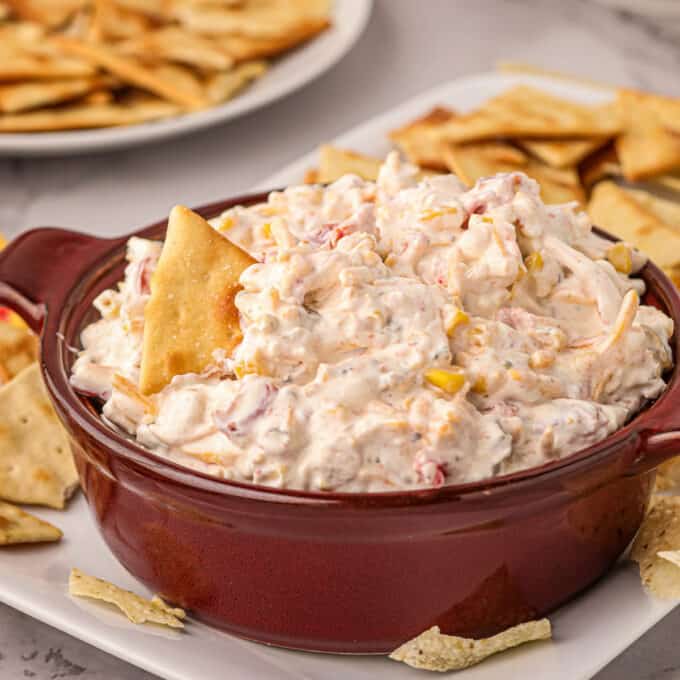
(39, 267)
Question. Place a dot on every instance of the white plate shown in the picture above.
(589, 631)
(287, 74)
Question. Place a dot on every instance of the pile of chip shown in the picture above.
(70, 64)
(587, 154)
(36, 465)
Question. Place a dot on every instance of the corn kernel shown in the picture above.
(515, 374)
(541, 359)
(267, 230)
(227, 223)
(488, 220)
(391, 260)
(534, 262)
(620, 257)
(459, 318)
(448, 381)
(428, 215)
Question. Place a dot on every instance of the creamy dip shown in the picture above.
(396, 334)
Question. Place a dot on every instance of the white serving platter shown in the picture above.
(287, 74)
(590, 631)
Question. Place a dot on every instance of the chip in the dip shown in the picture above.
(191, 311)
(36, 465)
(137, 608)
(17, 526)
(434, 651)
(660, 533)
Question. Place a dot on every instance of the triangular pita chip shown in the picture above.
(484, 159)
(650, 143)
(619, 211)
(36, 465)
(335, 162)
(223, 86)
(668, 474)
(434, 651)
(17, 526)
(561, 153)
(191, 311)
(525, 111)
(137, 608)
(259, 18)
(420, 141)
(602, 164)
(668, 211)
(660, 532)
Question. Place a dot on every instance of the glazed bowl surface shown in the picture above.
(334, 572)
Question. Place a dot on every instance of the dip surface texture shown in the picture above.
(398, 334)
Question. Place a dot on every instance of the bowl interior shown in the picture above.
(77, 313)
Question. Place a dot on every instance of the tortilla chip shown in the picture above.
(660, 532)
(434, 651)
(223, 86)
(419, 139)
(619, 211)
(484, 159)
(18, 348)
(36, 465)
(138, 609)
(191, 311)
(86, 116)
(259, 19)
(129, 71)
(31, 95)
(650, 143)
(335, 162)
(561, 153)
(525, 111)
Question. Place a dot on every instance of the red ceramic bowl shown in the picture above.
(329, 571)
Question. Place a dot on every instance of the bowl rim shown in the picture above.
(115, 441)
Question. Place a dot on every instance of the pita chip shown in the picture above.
(622, 213)
(36, 465)
(484, 159)
(650, 143)
(419, 140)
(191, 311)
(561, 153)
(525, 111)
(335, 162)
(17, 526)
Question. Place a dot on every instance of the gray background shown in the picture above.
(410, 45)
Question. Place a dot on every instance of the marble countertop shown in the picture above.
(408, 47)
